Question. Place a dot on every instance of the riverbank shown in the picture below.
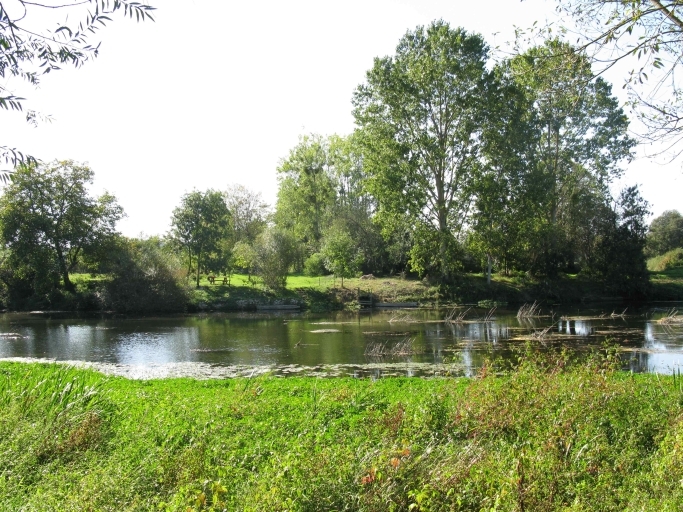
(546, 436)
(320, 294)
(327, 294)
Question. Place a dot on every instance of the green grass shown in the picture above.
(326, 293)
(667, 261)
(545, 436)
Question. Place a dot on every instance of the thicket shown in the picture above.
(546, 435)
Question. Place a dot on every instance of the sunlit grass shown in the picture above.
(546, 436)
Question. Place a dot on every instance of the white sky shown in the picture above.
(217, 92)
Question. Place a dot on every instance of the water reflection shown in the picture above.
(341, 343)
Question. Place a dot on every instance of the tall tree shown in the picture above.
(307, 192)
(421, 114)
(199, 225)
(28, 52)
(249, 213)
(47, 210)
(580, 129)
(504, 187)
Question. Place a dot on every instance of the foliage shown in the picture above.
(306, 192)
(665, 233)
(579, 144)
(314, 265)
(420, 115)
(49, 223)
(649, 33)
(619, 258)
(200, 226)
(547, 435)
(667, 261)
(340, 253)
(275, 253)
(146, 277)
(244, 257)
(248, 213)
(28, 52)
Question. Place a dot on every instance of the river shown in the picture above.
(375, 344)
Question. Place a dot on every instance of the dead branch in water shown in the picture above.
(529, 311)
(671, 318)
(380, 349)
(456, 319)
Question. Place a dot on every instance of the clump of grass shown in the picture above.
(529, 311)
(455, 317)
(671, 318)
(380, 349)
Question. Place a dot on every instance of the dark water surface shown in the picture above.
(405, 342)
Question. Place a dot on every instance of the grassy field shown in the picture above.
(544, 436)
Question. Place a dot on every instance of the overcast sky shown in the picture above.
(216, 92)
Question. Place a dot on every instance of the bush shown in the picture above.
(146, 279)
(314, 266)
(667, 261)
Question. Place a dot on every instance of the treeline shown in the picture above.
(456, 166)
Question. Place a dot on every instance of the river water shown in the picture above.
(377, 343)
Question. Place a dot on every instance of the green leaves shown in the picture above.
(199, 225)
(421, 114)
(49, 221)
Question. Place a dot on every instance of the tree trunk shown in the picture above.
(488, 269)
(68, 285)
(199, 259)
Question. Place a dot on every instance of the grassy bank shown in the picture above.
(327, 293)
(545, 436)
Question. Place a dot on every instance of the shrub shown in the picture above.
(314, 266)
(146, 278)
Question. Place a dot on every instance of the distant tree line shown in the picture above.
(456, 165)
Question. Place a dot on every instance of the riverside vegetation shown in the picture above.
(544, 435)
(525, 213)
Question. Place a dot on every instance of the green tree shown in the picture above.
(306, 192)
(341, 253)
(244, 257)
(29, 52)
(420, 115)
(504, 187)
(619, 258)
(199, 226)
(249, 214)
(665, 233)
(580, 129)
(275, 252)
(47, 217)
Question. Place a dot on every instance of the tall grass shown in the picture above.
(667, 261)
(544, 435)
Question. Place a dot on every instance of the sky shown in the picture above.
(215, 93)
